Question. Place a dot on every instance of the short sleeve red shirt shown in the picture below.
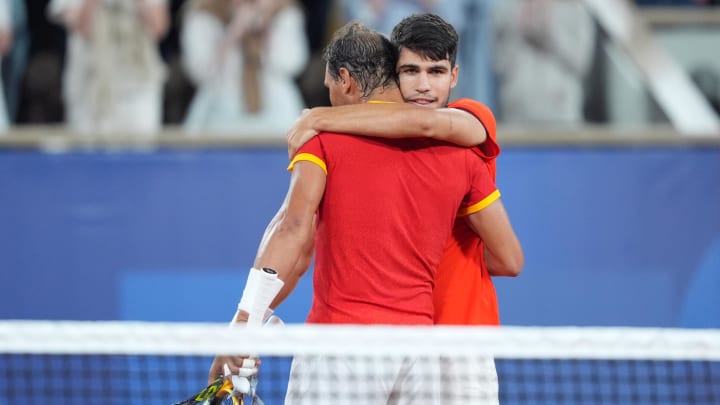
(383, 224)
(464, 292)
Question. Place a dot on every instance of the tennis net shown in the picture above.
(67, 362)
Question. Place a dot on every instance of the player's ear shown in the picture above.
(346, 81)
(454, 76)
(344, 75)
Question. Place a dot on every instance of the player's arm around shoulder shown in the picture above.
(464, 126)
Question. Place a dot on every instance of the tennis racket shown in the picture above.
(222, 390)
(214, 394)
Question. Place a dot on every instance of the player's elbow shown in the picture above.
(508, 264)
(513, 267)
(455, 126)
(506, 269)
(295, 227)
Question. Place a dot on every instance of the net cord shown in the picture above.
(128, 337)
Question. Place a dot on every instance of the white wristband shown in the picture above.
(261, 288)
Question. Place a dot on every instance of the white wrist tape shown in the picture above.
(261, 288)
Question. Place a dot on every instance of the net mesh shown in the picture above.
(160, 363)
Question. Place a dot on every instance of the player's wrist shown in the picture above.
(320, 119)
(260, 289)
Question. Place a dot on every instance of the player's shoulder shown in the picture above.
(465, 102)
(469, 105)
(332, 144)
(325, 138)
(474, 107)
(475, 157)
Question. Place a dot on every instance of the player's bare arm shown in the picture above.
(290, 240)
(494, 266)
(492, 224)
(289, 237)
(388, 120)
(302, 265)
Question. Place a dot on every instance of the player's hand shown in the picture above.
(236, 365)
(241, 381)
(300, 132)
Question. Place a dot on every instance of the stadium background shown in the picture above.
(618, 234)
(620, 221)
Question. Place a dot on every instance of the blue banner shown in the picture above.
(612, 236)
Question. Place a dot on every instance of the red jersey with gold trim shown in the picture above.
(384, 221)
(464, 292)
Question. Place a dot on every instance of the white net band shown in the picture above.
(119, 337)
(162, 363)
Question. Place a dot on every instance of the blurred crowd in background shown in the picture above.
(250, 66)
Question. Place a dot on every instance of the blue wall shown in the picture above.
(612, 236)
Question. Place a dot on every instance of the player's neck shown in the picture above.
(390, 94)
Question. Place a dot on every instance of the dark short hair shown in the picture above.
(427, 35)
(368, 55)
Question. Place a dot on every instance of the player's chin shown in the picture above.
(425, 103)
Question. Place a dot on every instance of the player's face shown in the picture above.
(425, 82)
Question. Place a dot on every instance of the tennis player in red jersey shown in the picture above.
(385, 210)
(464, 293)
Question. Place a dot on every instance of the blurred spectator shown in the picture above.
(179, 90)
(473, 20)
(5, 45)
(15, 61)
(42, 89)
(543, 52)
(319, 16)
(113, 75)
(382, 15)
(244, 57)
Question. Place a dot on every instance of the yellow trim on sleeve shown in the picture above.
(308, 157)
(480, 205)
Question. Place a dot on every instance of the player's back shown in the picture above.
(384, 221)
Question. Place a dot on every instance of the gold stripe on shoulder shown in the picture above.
(479, 206)
(308, 157)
